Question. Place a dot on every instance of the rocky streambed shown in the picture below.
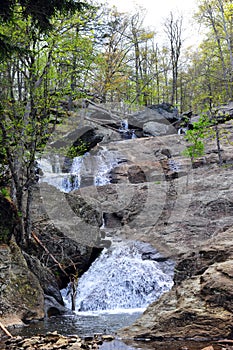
(53, 340)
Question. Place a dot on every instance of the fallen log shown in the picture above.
(114, 114)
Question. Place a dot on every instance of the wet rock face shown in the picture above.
(21, 293)
(158, 197)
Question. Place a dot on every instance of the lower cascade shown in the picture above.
(123, 277)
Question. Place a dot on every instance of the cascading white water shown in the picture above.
(121, 279)
(105, 162)
(86, 170)
(53, 174)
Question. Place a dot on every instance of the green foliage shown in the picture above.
(195, 137)
(196, 149)
(5, 192)
(78, 150)
(12, 11)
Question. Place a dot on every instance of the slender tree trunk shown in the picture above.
(173, 30)
(217, 36)
(228, 39)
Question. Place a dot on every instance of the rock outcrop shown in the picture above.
(163, 113)
(103, 122)
(157, 129)
(160, 198)
(199, 306)
(36, 275)
(61, 249)
(22, 298)
(86, 137)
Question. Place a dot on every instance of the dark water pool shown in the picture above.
(83, 324)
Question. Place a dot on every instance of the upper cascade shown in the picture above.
(85, 170)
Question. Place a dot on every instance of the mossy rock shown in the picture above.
(21, 293)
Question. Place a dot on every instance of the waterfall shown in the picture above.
(124, 125)
(121, 278)
(54, 175)
(182, 130)
(90, 169)
(133, 136)
(105, 161)
(125, 132)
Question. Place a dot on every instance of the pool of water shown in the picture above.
(83, 324)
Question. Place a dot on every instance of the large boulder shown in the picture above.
(68, 227)
(155, 120)
(52, 307)
(54, 303)
(158, 129)
(86, 136)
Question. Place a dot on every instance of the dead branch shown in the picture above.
(5, 330)
(114, 114)
(101, 123)
(48, 252)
